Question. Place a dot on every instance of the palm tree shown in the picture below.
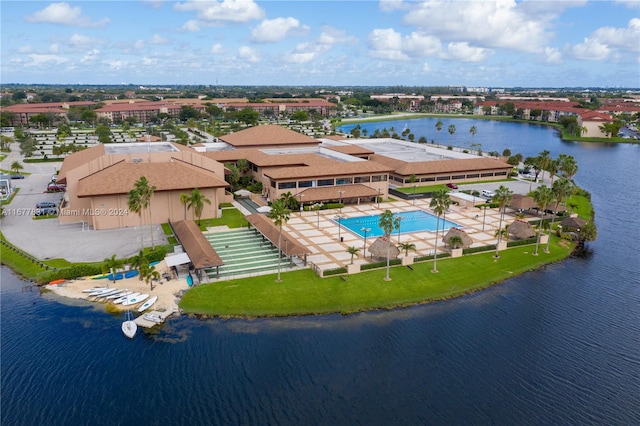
(406, 246)
(473, 130)
(196, 202)
(542, 162)
(503, 196)
(561, 188)
(452, 130)
(184, 199)
(388, 224)
(542, 195)
(145, 191)
(353, 251)
(440, 202)
(280, 215)
(456, 241)
(148, 273)
(439, 126)
(134, 203)
(111, 265)
(568, 166)
(16, 166)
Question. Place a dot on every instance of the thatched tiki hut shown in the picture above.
(457, 232)
(521, 202)
(573, 223)
(379, 249)
(521, 229)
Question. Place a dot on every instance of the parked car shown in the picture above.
(452, 186)
(52, 187)
(45, 205)
(17, 176)
(47, 211)
(488, 194)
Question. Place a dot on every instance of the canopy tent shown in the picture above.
(263, 209)
(243, 193)
(177, 259)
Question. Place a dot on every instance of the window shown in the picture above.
(361, 179)
(486, 174)
(427, 179)
(286, 185)
(443, 178)
(474, 175)
(457, 177)
(325, 182)
(344, 181)
(379, 178)
(305, 184)
(501, 173)
(273, 183)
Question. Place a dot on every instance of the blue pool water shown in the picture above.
(413, 221)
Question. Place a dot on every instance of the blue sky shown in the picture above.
(503, 43)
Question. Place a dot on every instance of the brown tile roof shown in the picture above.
(351, 149)
(329, 169)
(440, 166)
(313, 195)
(271, 232)
(79, 158)
(267, 135)
(120, 178)
(196, 245)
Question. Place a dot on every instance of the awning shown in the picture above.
(177, 259)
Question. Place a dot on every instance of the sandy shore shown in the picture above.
(166, 291)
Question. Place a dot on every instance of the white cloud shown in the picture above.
(81, 42)
(63, 14)
(117, 64)
(390, 44)
(426, 68)
(25, 49)
(461, 51)
(216, 49)
(623, 38)
(91, 56)
(217, 12)
(391, 5)
(248, 54)
(191, 26)
(331, 36)
(552, 55)
(591, 49)
(158, 39)
(149, 61)
(501, 23)
(42, 59)
(54, 48)
(272, 30)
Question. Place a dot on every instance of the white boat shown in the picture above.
(129, 327)
(103, 292)
(146, 305)
(123, 298)
(119, 294)
(153, 318)
(135, 300)
(94, 289)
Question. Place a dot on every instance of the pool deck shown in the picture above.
(319, 230)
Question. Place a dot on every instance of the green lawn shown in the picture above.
(233, 218)
(304, 293)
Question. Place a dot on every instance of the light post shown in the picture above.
(338, 218)
(340, 192)
(484, 216)
(364, 247)
(300, 202)
(317, 207)
(414, 195)
(378, 197)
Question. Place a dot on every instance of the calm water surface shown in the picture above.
(555, 346)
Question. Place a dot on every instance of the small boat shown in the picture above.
(189, 280)
(134, 300)
(117, 277)
(131, 274)
(56, 282)
(146, 305)
(94, 289)
(153, 318)
(100, 277)
(102, 292)
(123, 298)
(129, 328)
(119, 294)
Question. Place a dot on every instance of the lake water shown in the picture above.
(556, 346)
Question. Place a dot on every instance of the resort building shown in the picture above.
(99, 179)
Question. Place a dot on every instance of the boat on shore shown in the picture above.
(119, 294)
(94, 289)
(125, 297)
(56, 282)
(146, 305)
(153, 318)
(135, 300)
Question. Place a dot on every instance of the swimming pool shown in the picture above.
(413, 221)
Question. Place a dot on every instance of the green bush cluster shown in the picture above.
(471, 250)
(336, 271)
(381, 264)
(516, 243)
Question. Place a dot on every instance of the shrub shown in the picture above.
(336, 271)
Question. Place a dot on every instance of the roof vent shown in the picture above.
(137, 160)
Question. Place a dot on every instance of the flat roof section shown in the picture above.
(409, 151)
(139, 148)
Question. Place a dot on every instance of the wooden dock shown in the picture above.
(161, 315)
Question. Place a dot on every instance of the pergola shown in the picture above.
(291, 246)
(196, 246)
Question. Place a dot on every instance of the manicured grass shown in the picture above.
(304, 293)
(583, 206)
(233, 218)
(433, 188)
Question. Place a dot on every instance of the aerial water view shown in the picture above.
(239, 212)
